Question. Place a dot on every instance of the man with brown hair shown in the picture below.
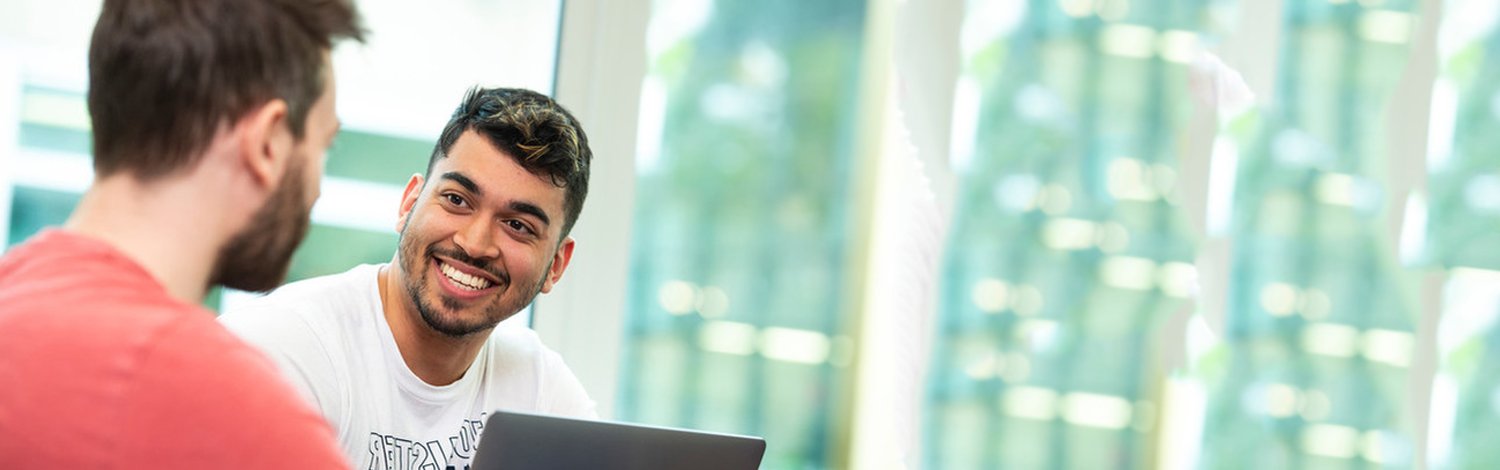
(405, 359)
(211, 119)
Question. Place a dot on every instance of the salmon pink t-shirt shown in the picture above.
(101, 368)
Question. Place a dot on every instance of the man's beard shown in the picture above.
(415, 266)
(257, 258)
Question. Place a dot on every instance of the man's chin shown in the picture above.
(458, 330)
(451, 322)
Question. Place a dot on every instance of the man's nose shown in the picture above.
(477, 239)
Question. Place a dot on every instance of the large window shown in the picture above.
(1067, 251)
(1318, 335)
(1089, 207)
(736, 314)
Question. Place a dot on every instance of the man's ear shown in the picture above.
(266, 142)
(408, 200)
(560, 261)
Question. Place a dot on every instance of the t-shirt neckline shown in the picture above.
(405, 378)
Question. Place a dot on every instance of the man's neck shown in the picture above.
(435, 358)
(163, 227)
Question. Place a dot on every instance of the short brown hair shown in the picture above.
(541, 135)
(164, 75)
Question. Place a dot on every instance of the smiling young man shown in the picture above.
(404, 359)
(211, 119)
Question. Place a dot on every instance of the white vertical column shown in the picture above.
(911, 70)
(864, 420)
(600, 65)
(926, 55)
(1254, 47)
(1408, 136)
(905, 99)
(1208, 168)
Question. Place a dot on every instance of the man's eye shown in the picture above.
(454, 199)
(518, 226)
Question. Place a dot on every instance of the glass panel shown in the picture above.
(34, 209)
(1067, 250)
(1464, 216)
(1465, 179)
(736, 313)
(1466, 393)
(1318, 338)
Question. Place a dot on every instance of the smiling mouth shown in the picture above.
(461, 280)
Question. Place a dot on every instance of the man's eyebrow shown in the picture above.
(532, 209)
(464, 181)
(518, 206)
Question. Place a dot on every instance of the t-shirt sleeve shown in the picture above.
(209, 401)
(563, 394)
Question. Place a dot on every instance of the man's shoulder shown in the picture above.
(517, 353)
(518, 347)
(189, 358)
(508, 340)
(308, 318)
(180, 347)
(58, 272)
(312, 300)
(134, 376)
(356, 284)
(178, 386)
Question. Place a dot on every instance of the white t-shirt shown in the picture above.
(330, 338)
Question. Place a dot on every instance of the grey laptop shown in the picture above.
(521, 441)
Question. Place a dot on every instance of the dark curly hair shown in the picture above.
(542, 136)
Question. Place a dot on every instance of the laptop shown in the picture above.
(523, 441)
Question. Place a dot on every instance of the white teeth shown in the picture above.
(463, 280)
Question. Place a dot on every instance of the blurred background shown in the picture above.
(1093, 234)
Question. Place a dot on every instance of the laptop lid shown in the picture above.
(522, 441)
